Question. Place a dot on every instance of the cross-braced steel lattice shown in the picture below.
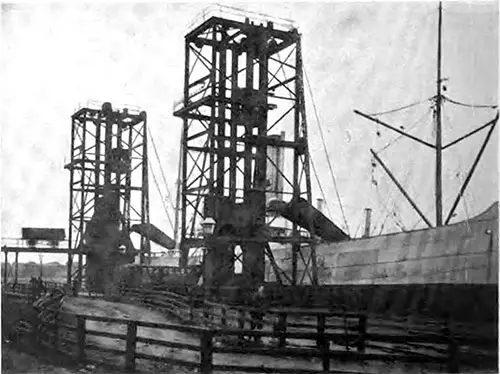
(245, 133)
(108, 156)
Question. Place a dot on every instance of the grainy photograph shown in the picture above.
(274, 187)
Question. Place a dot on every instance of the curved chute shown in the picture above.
(154, 234)
(305, 215)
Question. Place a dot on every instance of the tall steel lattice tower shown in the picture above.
(108, 185)
(243, 106)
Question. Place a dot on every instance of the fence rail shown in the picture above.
(214, 321)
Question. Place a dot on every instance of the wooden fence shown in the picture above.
(210, 321)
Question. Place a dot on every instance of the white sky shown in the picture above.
(373, 56)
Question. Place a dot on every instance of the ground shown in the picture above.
(14, 361)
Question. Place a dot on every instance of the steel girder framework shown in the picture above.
(243, 99)
(108, 152)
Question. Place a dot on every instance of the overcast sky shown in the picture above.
(370, 56)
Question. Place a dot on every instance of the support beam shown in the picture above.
(401, 188)
(492, 122)
(471, 172)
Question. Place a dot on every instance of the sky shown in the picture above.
(372, 56)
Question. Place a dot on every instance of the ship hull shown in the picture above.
(451, 271)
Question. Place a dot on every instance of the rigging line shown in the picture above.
(469, 105)
(161, 195)
(401, 108)
(396, 211)
(320, 187)
(169, 195)
(386, 209)
(458, 173)
(397, 138)
(325, 149)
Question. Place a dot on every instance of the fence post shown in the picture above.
(453, 351)
(80, 338)
(361, 333)
(191, 307)
(205, 311)
(282, 330)
(130, 346)
(320, 330)
(223, 316)
(324, 348)
(206, 351)
(241, 323)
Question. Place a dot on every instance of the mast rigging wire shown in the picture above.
(169, 195)
(469, 105)
(320, 187)
(326, 152)
(397, 138)
(401, 108)
(161, 196)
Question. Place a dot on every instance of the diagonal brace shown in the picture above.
(471, 172)
(401, 188)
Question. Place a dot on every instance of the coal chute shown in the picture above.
(154, 234)
(305, 215)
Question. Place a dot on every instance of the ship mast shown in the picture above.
(439, 166)
(438, 147)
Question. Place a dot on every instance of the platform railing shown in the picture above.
(232, 13)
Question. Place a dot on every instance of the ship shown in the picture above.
(443, 271)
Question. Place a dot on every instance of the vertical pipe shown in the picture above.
(16, 267)
(122, 194)
(108, 134)
(178, 192)
(145, 243)
(247, 176)
(184, 250)
(128, 177)
(439, 203)
(368, 215)
(261, 152)
(234, 125)
(211, 129)
(296, 156)
(221, 117)
(71, 203)
(97, 171)
(84, 195)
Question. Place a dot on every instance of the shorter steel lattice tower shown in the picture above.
(108, 177)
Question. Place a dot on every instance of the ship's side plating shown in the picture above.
(449, 270)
